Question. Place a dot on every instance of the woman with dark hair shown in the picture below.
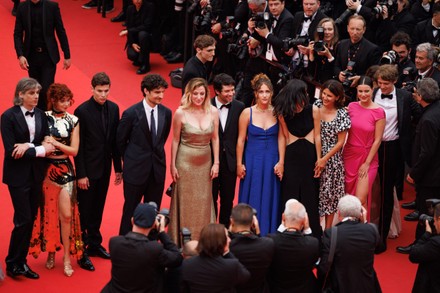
(195, 133)
(334, 125)
(297, 121)
(215, 269)
(364, 138)
(260, 165)
(59, 208)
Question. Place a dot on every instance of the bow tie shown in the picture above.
(28, 113)
(228, 105)
(306, 18)
(383, 96)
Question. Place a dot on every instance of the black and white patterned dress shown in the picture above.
(332, 181)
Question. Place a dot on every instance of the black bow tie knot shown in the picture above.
(383, 96)
(29, 113)
(228, 105)
(307, 18)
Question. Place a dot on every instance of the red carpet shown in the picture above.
(95, 46)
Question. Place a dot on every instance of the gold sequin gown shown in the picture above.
(191, 205)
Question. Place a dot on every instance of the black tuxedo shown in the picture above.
(423, 32)
(352, 268)
(224, 184)
(138, 264)
(213, 274)
(144, 163)
(23, 176)
(97, 151)
(392, 154)
(298, 20)
(293, 263)
(283, 29)
(256, 254)
(44, 56)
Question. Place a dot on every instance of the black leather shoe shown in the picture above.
(90, 5)
(412, 217)
(404, 249)
(85, 263)
(118, 18)
(409, 205)
(175, 59)
(100, 252)
(30, 274)
(14, 270)
(143, 69)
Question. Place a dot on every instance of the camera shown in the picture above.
(239, 48)
(407, 77)
(348, 74)
(344, 16)
(389, 58)
(261, 19)
(430, 205)
(164, 212)
(319, 45)
(185, 235)
(294, 43)
(204, 21)
(390, 4)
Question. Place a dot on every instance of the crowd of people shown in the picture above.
(312, 102)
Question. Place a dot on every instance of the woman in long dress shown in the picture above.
(364, 137)
(59, 187)
(195, 132)
(260, 165)
(300, 181)
(334, 124)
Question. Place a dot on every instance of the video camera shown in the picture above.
(430, 204)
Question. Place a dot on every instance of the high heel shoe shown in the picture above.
(68, 271)
(50, 263)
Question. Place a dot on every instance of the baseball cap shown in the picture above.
(144, 215)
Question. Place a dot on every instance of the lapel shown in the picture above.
(38, 121)
(22, 122)
(143, 123)
(160, 121)
(43, 8)
(220, 127)
(399, 101)
(28, 18)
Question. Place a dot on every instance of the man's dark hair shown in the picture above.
(242, 214)
(152, 81)
(100, 78)
(428, 89)
(212, 240)
(204, 41)
(222, 79)
(401, 38)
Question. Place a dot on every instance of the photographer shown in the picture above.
(401, 45)
(426, 252)
(138, 263)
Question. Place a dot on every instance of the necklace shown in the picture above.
(269, 108)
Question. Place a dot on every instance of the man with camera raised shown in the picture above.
(426, 252)
(138, 262)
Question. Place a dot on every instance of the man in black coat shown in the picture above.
(99, 120)
(140, 138)
(426, 54)
(36, 23)
(427, 30)
(253, 251)
(139, 262)
(229, 113)
(296, 253)
(23, 129)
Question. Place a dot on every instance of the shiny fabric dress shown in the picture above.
(260, 188)
(60, 175)
(191, 204)
(358, 145)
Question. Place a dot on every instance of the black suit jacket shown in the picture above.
(354, 257)
(229, 135)
(97, 146)
(298, 21)
(52, 23)
(282, 30)
(426, 150)
(256, 254)
(408, 114)
(423, 33)
(134, 143)
(14, 129)
(367, 55)
(219, 274)
(138, 264)
(293, 263)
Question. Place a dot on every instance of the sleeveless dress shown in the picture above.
(299, 164)
(332, 180)
(358, 145)
(191, 204)
(60, 175)
(260, 188)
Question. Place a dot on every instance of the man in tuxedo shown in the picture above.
(36, 23)
(426, 54)
(296, 253)
(23, 129)
(253, 251)
(141, 136)
(99, 120)
(425, 172)
(352, 268)
(428, 30)
(139, 262)
(229, 113)
(401, 113)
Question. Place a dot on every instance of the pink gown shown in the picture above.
(358, 145)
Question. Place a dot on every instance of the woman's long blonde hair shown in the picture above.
(194, 83)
